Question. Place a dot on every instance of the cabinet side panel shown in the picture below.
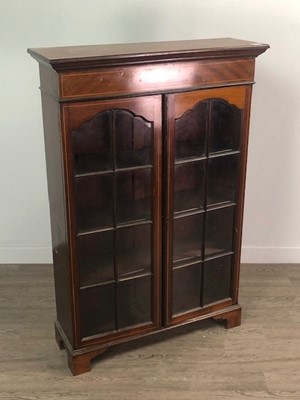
(57, 213)
(49, 80)
(241, 193)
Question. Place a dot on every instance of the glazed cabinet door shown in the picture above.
(206, 155)
(113, 148)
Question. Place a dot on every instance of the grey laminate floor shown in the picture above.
(259, 360)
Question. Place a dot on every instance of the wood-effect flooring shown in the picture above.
(258, 360)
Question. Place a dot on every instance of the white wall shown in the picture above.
(272, 213)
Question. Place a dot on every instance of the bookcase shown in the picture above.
(146, 148)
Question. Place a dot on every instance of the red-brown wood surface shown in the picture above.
(58, 214)
(160, 82)
(177, 105)
(130, 80)
(73, 115)
(75, 57)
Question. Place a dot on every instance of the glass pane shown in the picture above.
(186, 288)
(134, 305)
(91, 144)
(219, 231)
(97, 310)
(225, 126)
(190, 132)
(187, 233)
(133, 250)
(94, 202)
(188, 186)
(95, 258)
(134, 195)
(221, 179)
(216, 279)
(133, 136)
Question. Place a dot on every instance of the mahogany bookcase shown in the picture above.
(146, 148)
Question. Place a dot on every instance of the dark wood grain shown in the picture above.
(125, 125)
(73, 115)
(58, 213)
(241, 192)
(157, 77)
(178, 106)
(76, 57)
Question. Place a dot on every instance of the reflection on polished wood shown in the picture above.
(137, 135)
(258, 360)
(133, 80)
